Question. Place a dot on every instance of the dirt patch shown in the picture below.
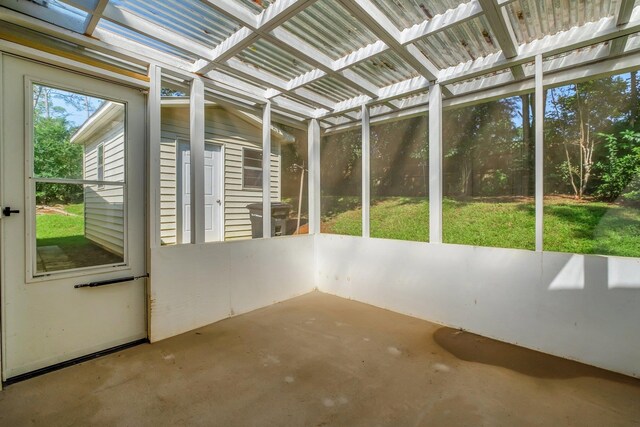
(52, 210)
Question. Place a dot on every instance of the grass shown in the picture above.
(585, 227)
(67, 232)
(53, 229)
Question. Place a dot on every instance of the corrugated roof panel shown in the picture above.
(534, 19)
(147, 41)
(385, 69)
(270, 58)
(52, 11)
(257, 6)
(189, 18)
(406, 13)
(464, 42)
(330, 28)
(332, 89)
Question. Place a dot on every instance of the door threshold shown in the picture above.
(77, 360)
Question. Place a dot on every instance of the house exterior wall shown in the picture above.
(104, 205)
(229, 131)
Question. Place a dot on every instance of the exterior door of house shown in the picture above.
(72, 227)
(212, 193)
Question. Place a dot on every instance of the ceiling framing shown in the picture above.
(319, 58)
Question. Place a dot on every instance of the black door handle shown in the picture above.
(7, 211)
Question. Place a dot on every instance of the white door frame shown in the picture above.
(28, 208)
(181, 146)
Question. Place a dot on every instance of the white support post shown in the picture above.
(196, 109)
(366, 172)
(266, 171)
(435, 163)
(314, 176)
(153, 149)
(539, 167)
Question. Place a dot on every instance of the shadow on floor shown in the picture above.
(66, 253)
(478, 349)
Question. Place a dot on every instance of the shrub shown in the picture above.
(620, 173)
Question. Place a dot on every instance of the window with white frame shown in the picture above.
(251, 168)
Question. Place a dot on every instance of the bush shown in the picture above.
(620, 173)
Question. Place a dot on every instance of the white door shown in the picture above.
(184, 199)
(73, 166)
(212, 193)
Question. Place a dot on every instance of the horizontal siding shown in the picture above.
(168, 199)
(224, 129)
(104, 207)
(104, 217)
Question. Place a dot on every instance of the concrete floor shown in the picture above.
(320, 360)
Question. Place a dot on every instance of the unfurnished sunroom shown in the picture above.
(320, 212)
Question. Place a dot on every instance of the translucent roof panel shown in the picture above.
(333, 89)
(52, 11)
(385, 69)
(147, 41)
(189, 18)
(330, 28)
(534, 19)
(270, 58)
(406, 13)
(257, 6)
(464, 42)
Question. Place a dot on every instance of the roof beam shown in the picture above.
(269, 19)
(94, 18)
(502, 30)
(253, 74)
(116, 46)
(267, 26)
(623, 14)
(149, 29)
(140, 25)
(462, 13)
(376, 21)
(577, 66)
(575, 38)
(448, 19)
(233, 10)
(388, 93)
(309, 54)
(68, 21)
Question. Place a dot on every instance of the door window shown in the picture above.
(78, 188)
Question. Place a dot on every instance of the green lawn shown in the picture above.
(54, 228)
(66, 232)
(570, 225)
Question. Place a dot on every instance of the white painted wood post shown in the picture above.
(196, 110)
(313, 149)
(366, 173)
(153, 144)
(539, 167)
(266, 171)
(435, 163)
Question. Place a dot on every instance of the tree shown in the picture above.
(481, 142)
(56, 157)
(577, 115)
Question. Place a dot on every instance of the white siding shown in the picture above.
(224, 129)
(104, 205)
(168, 189)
